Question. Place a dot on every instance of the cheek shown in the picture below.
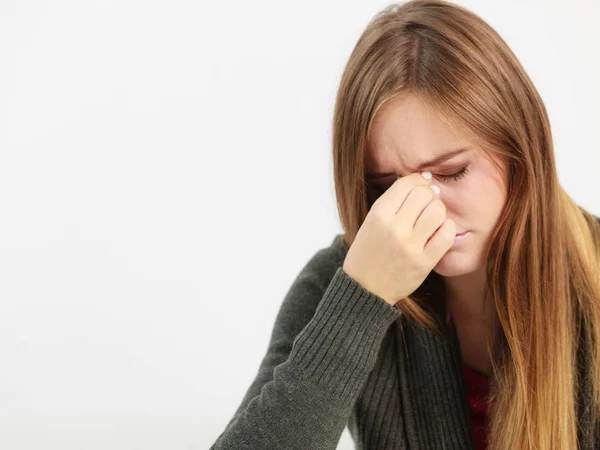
(481, 194)
(457, 194)
(468, 196)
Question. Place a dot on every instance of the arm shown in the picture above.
(322, 348)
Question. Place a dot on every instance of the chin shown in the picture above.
(457, 262)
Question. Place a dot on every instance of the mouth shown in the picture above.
(459, 237)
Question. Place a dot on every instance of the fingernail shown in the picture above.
(436, 188)
(426, 174)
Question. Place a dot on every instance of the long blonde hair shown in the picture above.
(543, 270)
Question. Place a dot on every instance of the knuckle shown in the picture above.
(376, 211)
(423, 193)
(438, 208)
(401, 233)
(374, 219)
(447, 232)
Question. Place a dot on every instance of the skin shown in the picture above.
(405, 133)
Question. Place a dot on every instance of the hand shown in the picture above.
(402, 238)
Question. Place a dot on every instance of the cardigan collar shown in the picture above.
(433, 388)
(433, 391)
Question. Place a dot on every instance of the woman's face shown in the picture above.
(406, 134)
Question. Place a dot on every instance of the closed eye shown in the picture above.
(444, 178)
(454, 176)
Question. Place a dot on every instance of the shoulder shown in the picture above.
(591, 218)
(306, 292)
(323, 264)
(310, 284)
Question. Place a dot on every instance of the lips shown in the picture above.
(459, 237)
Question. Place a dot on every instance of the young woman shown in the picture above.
(461, 315)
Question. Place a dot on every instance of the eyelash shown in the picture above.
(444, 178)
(456, 176)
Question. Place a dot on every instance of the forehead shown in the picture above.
(405, 132)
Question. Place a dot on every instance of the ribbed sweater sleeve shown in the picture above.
(322, 348)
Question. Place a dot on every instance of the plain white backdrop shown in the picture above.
(166, 171)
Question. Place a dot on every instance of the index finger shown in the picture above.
(393, 198)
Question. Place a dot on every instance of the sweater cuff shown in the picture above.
(339, 346)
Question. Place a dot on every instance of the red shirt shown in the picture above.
(477, 389)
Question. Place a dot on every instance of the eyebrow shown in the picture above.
(422, 166)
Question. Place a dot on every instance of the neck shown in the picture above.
(464, 295)
(474, 317)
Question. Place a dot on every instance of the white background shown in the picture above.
(165, 172)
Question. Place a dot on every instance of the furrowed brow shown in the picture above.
(422, 166)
